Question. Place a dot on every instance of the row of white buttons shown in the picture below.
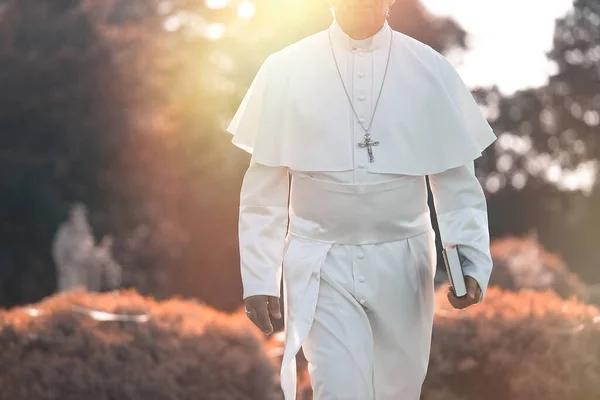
(361, 256)
(361, 165)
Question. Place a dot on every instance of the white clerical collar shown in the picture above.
(380, 39)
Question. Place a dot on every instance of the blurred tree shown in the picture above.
(54, 107)
(74, 107)
(542, 171)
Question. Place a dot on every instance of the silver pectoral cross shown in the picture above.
(368, 143)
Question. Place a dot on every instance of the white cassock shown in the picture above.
(353, 238)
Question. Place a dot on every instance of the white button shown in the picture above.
(362, 301)
(361, 97)
(361, 165)
(361, 75)
(361, 54)
(361, 119)
(361, 279)
(360, 256)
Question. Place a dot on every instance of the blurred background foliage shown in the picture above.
(121, 105)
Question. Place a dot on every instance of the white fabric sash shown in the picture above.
(358, 214)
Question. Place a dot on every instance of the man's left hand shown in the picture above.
(472, 297)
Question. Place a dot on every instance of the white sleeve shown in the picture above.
(263, 221)
(462, 217)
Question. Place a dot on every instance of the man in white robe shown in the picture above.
(343, 127)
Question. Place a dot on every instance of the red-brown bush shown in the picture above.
(522, 345)
(515, 346)
(523, 263)
(185, 351)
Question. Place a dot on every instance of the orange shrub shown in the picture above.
(515, 346)
(184, 351)
(523, 263)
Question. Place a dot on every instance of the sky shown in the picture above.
(508, 39)
(508, 44)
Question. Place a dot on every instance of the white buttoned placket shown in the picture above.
(362, 65)
(358, 265)
(359, 78)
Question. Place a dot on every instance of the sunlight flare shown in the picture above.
(216, 4)
(246, 10)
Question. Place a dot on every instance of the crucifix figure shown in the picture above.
(368, 143)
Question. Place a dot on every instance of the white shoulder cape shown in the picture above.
(296, 114)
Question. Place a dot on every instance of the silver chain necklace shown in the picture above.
(368, 143)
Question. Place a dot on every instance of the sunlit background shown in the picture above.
(508, 40)
(116, 173)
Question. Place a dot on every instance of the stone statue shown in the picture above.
(79, 261)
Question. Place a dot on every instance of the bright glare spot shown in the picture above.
(548, 120)
(504, 162)
(246, 10)
(504, 141)
(493, 183)
(519, 144)
(214, 31)
(570, 182)
(582, 178)
(552, 68)
(576, 110)
(522, 144)
(534, 165)
(438, 7)
(554, 173)
(491, 112)
(172, 23)
(592, 118)
(519, 180)
(216, 4)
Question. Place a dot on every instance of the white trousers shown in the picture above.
(371, 335)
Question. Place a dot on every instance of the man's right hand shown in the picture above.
(258, 309)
